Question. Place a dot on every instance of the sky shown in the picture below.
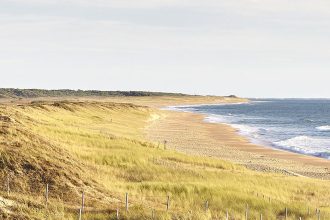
(250, 48)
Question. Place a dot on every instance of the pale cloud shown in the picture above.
(187, 46)
(267, 5)
(8, 61)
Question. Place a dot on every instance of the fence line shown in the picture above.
(167, 209)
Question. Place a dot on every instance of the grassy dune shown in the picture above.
(99, 148)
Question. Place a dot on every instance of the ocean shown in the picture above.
(297, 125)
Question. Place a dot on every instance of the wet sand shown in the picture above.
(188, 133)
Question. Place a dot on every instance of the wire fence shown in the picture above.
(123, 206)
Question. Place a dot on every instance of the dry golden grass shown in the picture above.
(99, 148)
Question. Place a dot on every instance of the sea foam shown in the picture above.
(307, 145)
(323, 128)
(212, 118)
(247, 130)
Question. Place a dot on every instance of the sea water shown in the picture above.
(297, 125)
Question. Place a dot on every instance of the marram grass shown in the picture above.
(99, 148)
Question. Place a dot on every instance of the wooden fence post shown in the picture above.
(260, 216)
(117, 214)
(286, 213)
(8, 186)
(319, 215)
(80, 214)
(227, 215)
(247, 212)
(168, 203)
(206, 206)
(46, 194)
(82, 201)
(152, 214)
(126, 202)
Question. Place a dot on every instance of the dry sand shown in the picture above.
(188, 133)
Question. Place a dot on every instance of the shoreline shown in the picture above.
(188, 132)
(251, 140)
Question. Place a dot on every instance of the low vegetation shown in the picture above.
(34, 93)
(99, 149)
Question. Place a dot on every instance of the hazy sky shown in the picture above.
(251, 48)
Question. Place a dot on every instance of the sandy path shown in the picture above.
(188, 133)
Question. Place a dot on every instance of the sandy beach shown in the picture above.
(189, 133)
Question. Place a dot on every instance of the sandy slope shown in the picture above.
(187, 132)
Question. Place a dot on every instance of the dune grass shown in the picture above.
(106, 142)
